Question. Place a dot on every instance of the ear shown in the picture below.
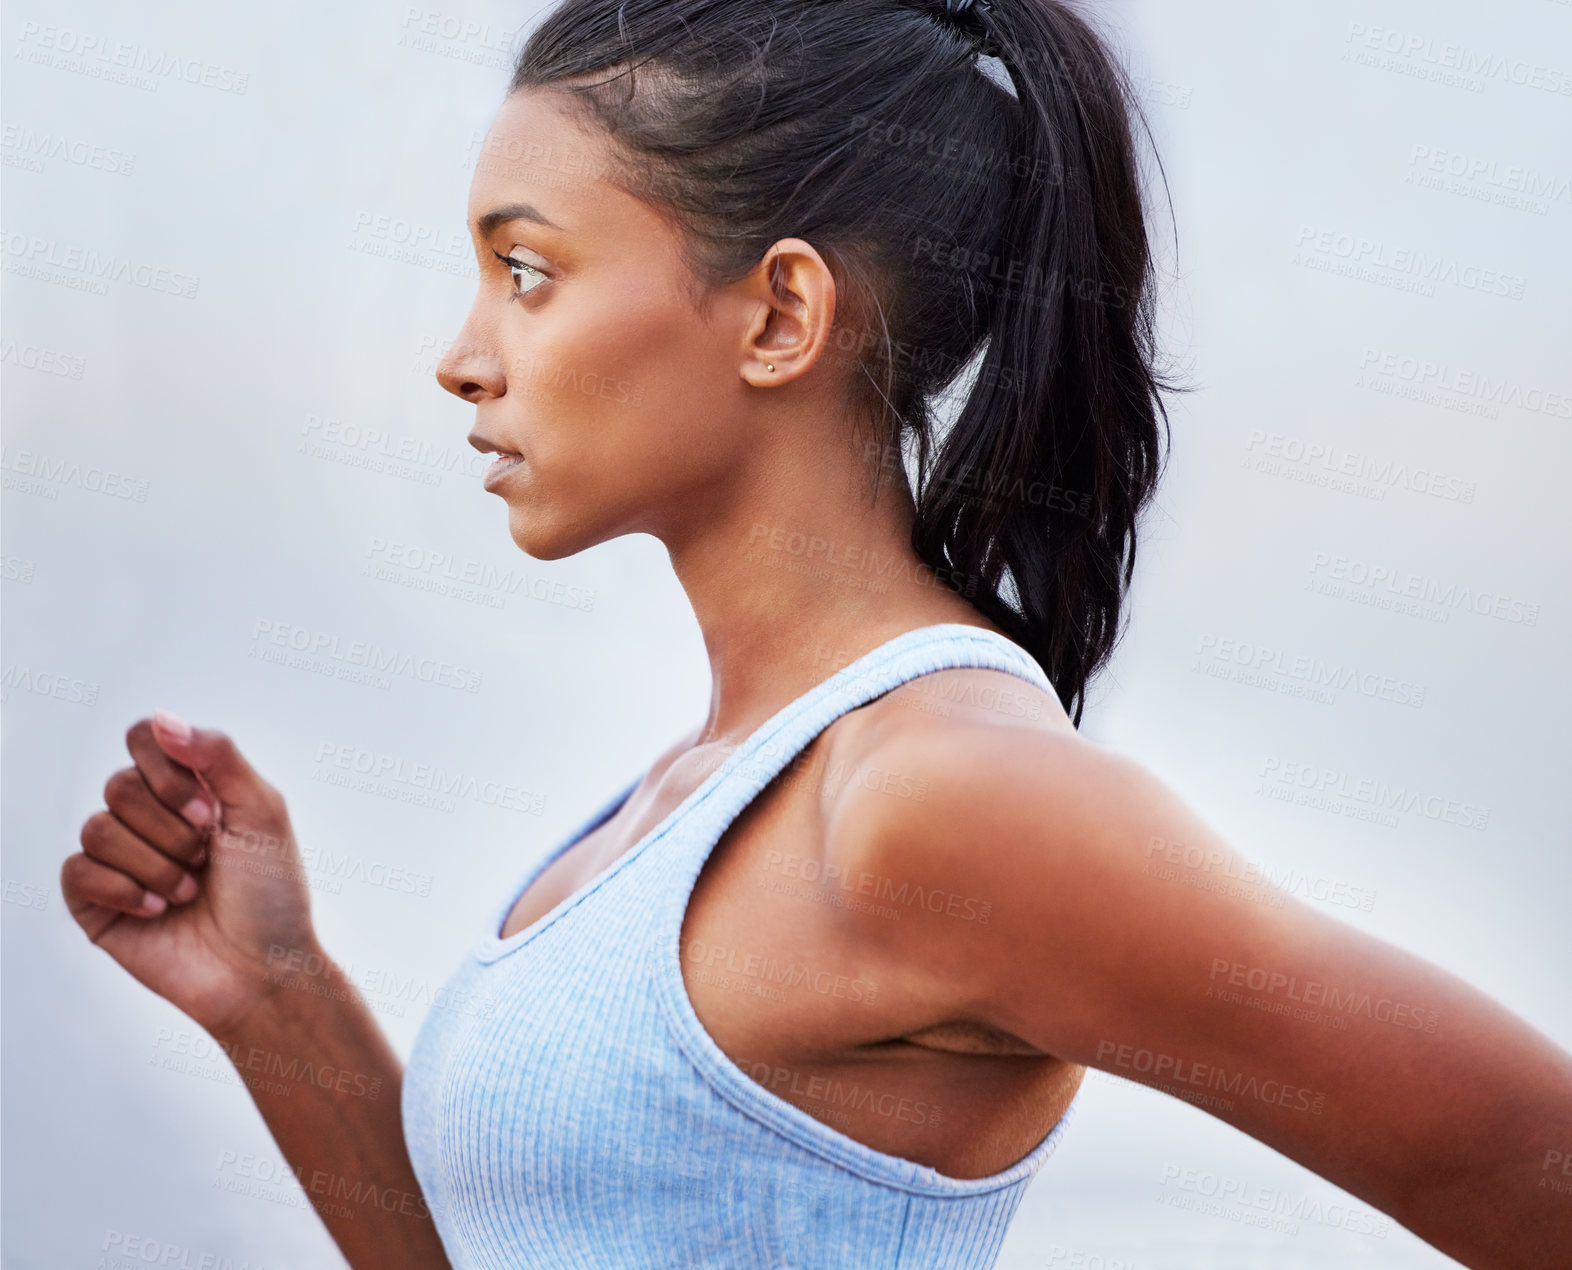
(795, 296)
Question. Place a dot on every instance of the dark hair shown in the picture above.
(953, 212)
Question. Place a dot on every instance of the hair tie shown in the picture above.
(968, 18)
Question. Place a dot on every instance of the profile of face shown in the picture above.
(629, 407)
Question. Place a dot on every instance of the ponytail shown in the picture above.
(1015, 224)
(1037, 487)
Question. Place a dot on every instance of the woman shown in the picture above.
(818, 988)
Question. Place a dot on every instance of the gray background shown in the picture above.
(1289, 134)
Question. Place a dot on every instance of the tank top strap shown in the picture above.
(767, 752)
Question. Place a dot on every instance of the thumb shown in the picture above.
(213, 757)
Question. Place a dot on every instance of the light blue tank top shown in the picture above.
(565, 1108)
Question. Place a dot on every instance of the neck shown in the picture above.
(801, 572)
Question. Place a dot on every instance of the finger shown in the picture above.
(92, 890)
(129, 798)
(175, 785)
(107, 840)
(216, 759)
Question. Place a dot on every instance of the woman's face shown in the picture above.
(586, 357)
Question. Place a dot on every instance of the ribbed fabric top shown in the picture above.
(566, 1110)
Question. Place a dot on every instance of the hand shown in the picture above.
(192, 877)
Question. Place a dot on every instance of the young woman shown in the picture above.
(818, 988)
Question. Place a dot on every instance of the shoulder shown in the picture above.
(984, 831)
(970, 770)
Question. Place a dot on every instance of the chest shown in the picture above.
(762, 958)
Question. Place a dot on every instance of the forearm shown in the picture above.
(1508, 1204)
(327, 1083)
(1457, 1134)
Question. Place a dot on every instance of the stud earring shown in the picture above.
(771, 367)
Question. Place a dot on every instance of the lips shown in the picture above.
(501, 467)
(487, 446)
(506, 461)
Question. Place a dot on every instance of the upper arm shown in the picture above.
(1124, 933)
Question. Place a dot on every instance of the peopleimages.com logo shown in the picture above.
(121, 61)
(1446, 61)
(1373, 259)
(1423, 377)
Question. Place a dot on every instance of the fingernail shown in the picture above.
(173, 724)
(153, 904)
(198, 811)
(186, 890)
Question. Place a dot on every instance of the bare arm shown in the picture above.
(1156, 955)
(335, 1116)
(193, 882)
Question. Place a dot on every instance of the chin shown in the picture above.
(542, 540)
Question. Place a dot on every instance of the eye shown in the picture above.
(522, 273)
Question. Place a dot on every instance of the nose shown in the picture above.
(467, 371)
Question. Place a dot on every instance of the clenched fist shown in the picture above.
(192, 873)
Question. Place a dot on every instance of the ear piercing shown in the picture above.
(770, 366)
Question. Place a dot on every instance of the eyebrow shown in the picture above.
(500, 216)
